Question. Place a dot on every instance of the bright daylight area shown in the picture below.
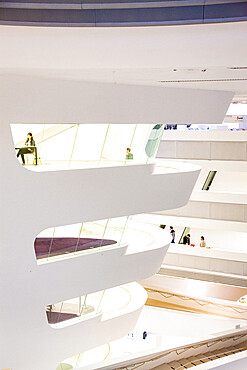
(87, 146)
(123, 238)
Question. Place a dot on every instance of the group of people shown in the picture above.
(186, 238)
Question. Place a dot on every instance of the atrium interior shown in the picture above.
(119, 120)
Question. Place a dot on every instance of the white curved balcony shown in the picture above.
(64, 197)
(170, 335)
(34, 201)
(120, 309)
(87, 273)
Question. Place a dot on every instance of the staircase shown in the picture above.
(192, 361)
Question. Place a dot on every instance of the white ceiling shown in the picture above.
(143, 55)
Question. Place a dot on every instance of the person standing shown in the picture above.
(172, 232)
(186, 239)
(203, 243)
(30, 144)
(129, 155)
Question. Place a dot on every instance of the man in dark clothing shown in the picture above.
(172, 232)
(186, 239)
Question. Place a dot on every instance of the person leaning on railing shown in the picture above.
(30, 143)
(172, 232)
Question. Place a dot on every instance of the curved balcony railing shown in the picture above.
(75, 240)
(120, 12)
(74, 146)
(79, 308)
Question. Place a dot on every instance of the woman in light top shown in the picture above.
(203, 243)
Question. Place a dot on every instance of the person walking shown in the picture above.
(172, 232)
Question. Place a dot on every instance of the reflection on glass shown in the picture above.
(154, 140)
(77, 239)
(78, 308)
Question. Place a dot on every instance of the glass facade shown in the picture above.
(64, 146)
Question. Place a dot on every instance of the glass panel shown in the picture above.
(57, 144)
(78, 308)
(154, 141)
(59, 242)
(94, 229)
(115, 229)
(117, 140)
(19, 132)
(185, 237)
(139, 141)
(88, 144)
(62, 146)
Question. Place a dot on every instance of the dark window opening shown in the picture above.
(209, 180)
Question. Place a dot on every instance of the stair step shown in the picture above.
(192, 361)
(163, 367)
(194, 358)
(221, 354)
(205, 359)
(214, 357)
(229, 353)
(197, 362)
(183, 361)
(236, 350)
(175, 364)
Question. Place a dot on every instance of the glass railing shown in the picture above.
(74, 240)
(67, 312)
(63, 146)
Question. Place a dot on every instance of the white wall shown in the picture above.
(225, 181)
(204, 150)
(230, 182)
(207, 135)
